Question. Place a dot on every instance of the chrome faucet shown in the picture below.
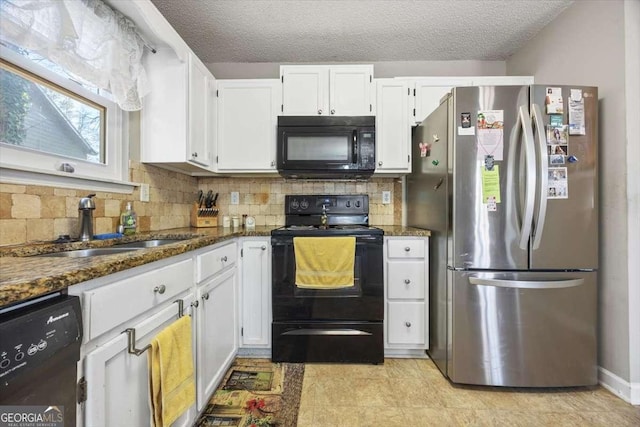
(323, 217)
(85, 217)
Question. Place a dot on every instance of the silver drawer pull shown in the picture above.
(407, 281)
(263, 247)
(407, 324)
(160, 289)
(407, 249)
(223, 259)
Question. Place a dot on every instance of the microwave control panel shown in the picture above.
(367, 150)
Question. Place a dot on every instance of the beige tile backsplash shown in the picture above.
(30, 213)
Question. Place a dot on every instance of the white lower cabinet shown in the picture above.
(406, 295)
(255, 293)
(117, 382)
(216, 331)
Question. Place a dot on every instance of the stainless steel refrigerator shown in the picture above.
(506, 179)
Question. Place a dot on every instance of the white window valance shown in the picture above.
(86, 37)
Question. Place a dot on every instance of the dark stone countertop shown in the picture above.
(23, 276)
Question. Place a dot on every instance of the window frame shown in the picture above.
(28, 166)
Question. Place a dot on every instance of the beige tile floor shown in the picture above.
(412, 392)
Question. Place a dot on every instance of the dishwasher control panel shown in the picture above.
(32, 334)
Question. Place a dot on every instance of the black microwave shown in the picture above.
(326, 146)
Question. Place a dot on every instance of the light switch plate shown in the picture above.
(235, 198)
(386, 197)
(144, 192)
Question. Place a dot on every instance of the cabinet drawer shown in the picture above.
(406, 323)
(216, 260)
(114, 304)
(405, 279)
(405, 248)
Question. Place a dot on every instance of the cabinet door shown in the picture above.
(256, 294)
(198, 148)
(429, 92)
(407, 324)
(502, 80)
(304, 90)
(216, 332)
(393, 132)
(118, 382)
(247, 125)
(350, 90)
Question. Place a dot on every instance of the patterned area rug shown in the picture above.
(256, 393)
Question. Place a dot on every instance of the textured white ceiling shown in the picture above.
(357, 30)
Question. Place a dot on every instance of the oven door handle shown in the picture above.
(349, 332)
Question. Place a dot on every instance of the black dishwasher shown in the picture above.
(39, 350)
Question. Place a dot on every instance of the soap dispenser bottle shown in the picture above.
(129, 220)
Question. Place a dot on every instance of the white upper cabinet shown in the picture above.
(339, 90)
(247, 122)
(502, 80)
(430, 90)
(175, 128)
(394, 101)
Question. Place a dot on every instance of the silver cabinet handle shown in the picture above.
(194, 155)
(160, 289)
(195, 304)
(407, 249)
(333, 111)
(407, 324)
(273, 163)
(380, 163)
(223, 259)
(205, 296)
(263, 247)
(319, 111)
(407, 281)
(527, 284)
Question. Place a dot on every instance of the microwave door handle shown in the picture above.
(354, 147)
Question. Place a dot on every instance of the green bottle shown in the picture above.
(128, 220)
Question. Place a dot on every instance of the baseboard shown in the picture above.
(629, 392)
(258, 353)
(405, 353)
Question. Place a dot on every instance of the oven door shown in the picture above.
(362, 302)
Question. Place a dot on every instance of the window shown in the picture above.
(52, 124)
(41, 116)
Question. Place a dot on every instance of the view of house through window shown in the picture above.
(36, 114)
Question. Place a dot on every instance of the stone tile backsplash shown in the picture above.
(30, 213)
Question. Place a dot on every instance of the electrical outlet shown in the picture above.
(235, 198)
(144, 192)
(386, 197)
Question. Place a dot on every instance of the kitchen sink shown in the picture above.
(83, 253)
(148, 243)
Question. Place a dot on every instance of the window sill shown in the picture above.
(26, 176)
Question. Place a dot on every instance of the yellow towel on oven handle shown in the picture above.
(171, 375)
(324, 262)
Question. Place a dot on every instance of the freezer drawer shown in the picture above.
(526, 329)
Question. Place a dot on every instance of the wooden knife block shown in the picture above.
(200, 221)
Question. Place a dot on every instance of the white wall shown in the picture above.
(585, 45)
(632, 47)
(271, 70)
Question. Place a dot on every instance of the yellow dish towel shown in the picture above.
(324, 262)
(171, 377)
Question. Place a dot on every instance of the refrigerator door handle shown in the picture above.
(530, 177)
(527, 284)
(543, 172)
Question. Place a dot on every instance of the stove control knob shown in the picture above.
(348, 203)
(304, 204)
(295, 204)
(357, 203)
